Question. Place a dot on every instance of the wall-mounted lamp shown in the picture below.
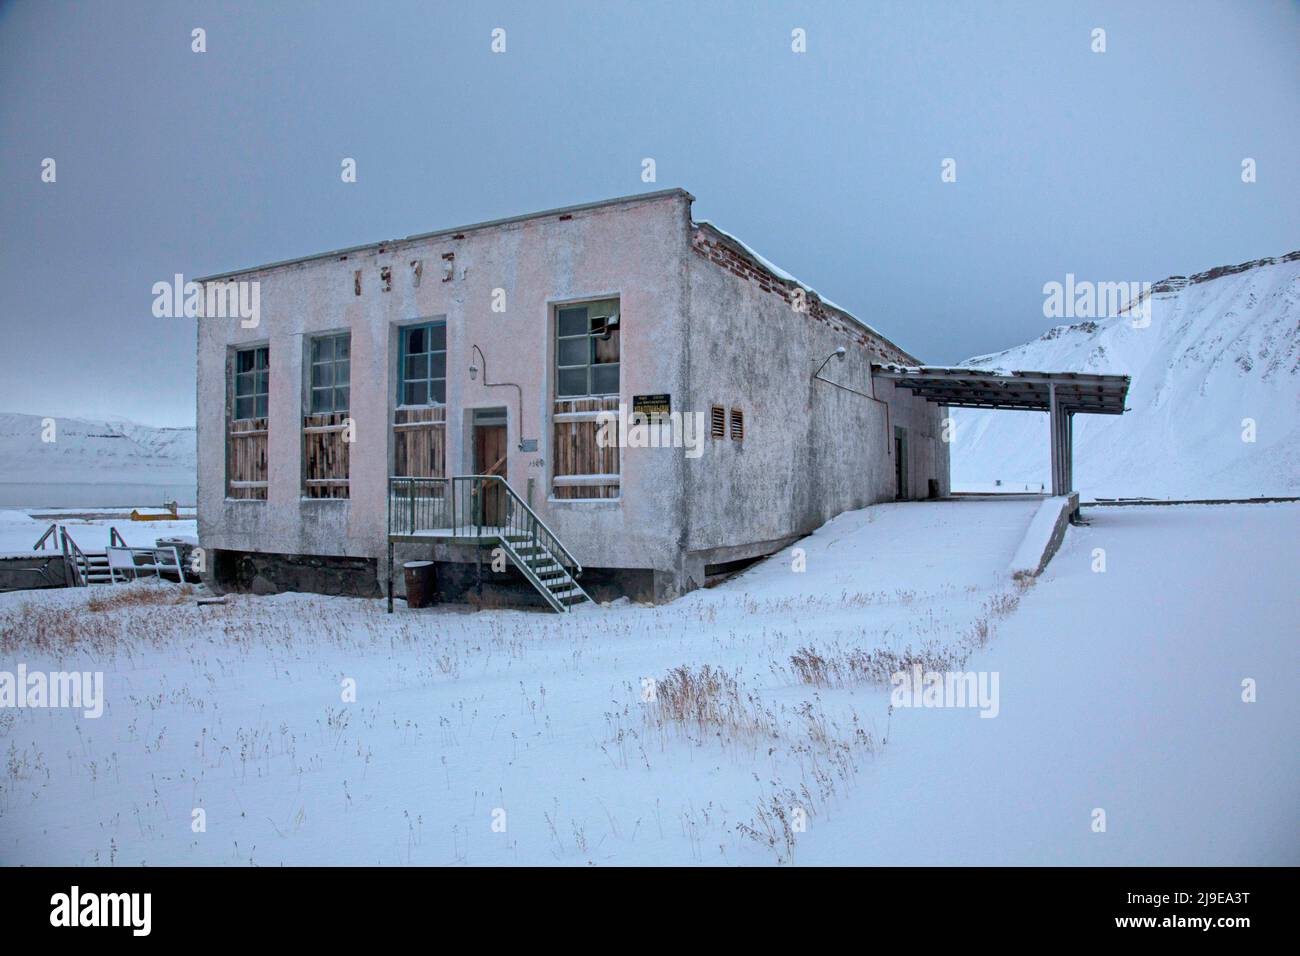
(839, 353)
(524, 443)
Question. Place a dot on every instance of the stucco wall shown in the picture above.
(811, 450)
(631, 250)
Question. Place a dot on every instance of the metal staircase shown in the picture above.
(91, 567)
(83, 568)
(553, 581)
(484, 510)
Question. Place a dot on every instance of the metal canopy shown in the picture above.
(1026, 391)
(1060, 394)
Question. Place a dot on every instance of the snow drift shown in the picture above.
(1218, 364)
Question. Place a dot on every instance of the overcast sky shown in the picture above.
(1115, 166)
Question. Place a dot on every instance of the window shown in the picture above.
(325, 431)
(718, 422)
(331, 366)
(423, 371)
(587, 349)
(737, 425)
(252, 374)
(246, 430)
(586, 386)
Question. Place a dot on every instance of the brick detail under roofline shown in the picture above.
(727, 256)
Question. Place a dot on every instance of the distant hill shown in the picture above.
(93, 464)
(1222, 346)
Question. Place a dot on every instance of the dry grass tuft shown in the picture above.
(851, 667)
(99, 620)
(138, 595)
(708, 700)
(854, 667)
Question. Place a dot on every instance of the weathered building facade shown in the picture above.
(502, 349)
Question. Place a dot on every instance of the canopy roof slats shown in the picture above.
(1019, 390)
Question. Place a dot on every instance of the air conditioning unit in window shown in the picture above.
(611, 323)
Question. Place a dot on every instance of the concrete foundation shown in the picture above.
(263, 573)
(38, 570)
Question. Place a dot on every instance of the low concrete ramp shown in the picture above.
(908, 546)
(1044, 536)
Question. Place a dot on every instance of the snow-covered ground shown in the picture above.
(19, 530)
(1214, 404)
(1120, 690)
(508, 737)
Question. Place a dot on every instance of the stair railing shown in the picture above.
(74, 559)
(490, 505)
(419, 504)
(50, 532)
(473, 506)
(115, 539)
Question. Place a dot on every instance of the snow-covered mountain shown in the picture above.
(93, 463)
(1222, 351)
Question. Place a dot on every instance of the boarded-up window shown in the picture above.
(587, 356)
(325, 431)
(420, 442)
(737, 425)
(420, 422)
(585, 467)
(246, 432)
(718, 422)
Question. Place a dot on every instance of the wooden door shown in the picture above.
(490, 459)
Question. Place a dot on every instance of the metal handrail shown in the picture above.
(116, 539)
(419, 504)
(71, 552)
(443, 506)
(555, 546)
(51, 531)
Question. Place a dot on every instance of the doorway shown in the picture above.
(900, 462)
(490, 454)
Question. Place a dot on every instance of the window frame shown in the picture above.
(333, 363)
(404, 334)
(259, 375)
(590, 337)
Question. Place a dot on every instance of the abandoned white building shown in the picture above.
(440, 397)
